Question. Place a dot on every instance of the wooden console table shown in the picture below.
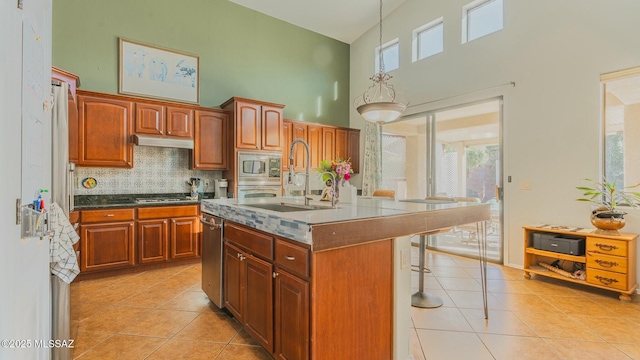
(609, 260)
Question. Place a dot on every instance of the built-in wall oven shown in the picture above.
(259, 174)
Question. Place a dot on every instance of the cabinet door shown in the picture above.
(153, 241)
(210, 141)
(106, 246)
(179, 122)
(291, 317)
(299, 131)
(314, 139)
(184, 237)
(328, 144)
(258, 310)
(233, 281)
(248, 125)
(287, 136)
(341, 144)
(353, 149)
(150, 119)
(105, 128)
(271, 128)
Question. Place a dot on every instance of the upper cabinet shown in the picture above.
(257, 125)
(325, 143)
(105, 125)
(210, 150)
(163, 120)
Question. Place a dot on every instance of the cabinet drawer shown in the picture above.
(607, 263)
(93, 216)
(293, 258)
(160, 212)
(607, 278)
(255, 242)
(607, 246)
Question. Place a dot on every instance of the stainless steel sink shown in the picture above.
(284, 207)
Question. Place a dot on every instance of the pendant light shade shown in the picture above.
(380, 103)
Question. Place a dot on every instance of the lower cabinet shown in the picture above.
(117, 238)
(291, 317)
(107, 239)
(269, 301)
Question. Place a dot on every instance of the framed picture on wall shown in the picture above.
(159, 73)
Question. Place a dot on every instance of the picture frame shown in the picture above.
(158, 73)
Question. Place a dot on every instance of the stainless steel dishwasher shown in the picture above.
(212, 235)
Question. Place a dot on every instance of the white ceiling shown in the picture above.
(343, 20)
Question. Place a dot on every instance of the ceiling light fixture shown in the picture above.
(380, 103)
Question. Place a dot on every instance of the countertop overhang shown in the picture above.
(369, 219)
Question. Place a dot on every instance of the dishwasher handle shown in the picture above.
(212, 224)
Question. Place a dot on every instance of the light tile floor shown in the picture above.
(163, 314)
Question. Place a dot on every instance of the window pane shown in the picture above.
(391, 57)
(430, 41)
(484, 19)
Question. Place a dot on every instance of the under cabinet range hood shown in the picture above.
(146, 140)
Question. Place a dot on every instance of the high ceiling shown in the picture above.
(343, 20)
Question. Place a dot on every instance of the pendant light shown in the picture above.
(380, 103)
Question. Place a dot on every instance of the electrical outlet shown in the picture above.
(405, 258)
(525, 185)
(206, 182)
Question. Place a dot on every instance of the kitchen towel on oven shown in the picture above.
(64, 262)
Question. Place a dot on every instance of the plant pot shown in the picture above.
(608, 222)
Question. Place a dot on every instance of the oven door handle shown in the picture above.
(258, 189)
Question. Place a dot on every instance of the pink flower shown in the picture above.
(347, 176)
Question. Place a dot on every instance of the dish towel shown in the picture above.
(64, 262)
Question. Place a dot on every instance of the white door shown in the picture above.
(24, 267)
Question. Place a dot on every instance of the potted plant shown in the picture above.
(606, 216)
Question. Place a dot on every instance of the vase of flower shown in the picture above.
(335, 173)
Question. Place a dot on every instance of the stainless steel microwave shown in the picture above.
(259, 168)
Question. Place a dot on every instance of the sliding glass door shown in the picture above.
(456, 152)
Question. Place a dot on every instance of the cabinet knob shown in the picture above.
(275, 274)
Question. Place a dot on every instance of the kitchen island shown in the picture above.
(323, 283)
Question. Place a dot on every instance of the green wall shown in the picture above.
(242, 52)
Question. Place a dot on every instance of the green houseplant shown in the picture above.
(606, 216)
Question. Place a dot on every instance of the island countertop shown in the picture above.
(368, 219)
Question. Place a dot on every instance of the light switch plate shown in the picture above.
(405, 258)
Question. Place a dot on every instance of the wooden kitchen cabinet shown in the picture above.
(153, 241)
(291, 317)
(248, 281)
(105, 127)
(341, 146)
(106, 239)
(257, 124)
(353, 149)
(210, 150)
(167, 232)
(154, 118)
(292, 131)
(328, 143)
(314, 139)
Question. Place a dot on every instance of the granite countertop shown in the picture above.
(300, 225)
(83, 202)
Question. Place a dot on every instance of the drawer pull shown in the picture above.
(606, 281)
(606, 264)
(290, 258)
(109, 215)
(606, 247)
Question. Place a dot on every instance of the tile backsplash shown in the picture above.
(155, 170)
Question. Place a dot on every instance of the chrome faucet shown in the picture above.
(307, 184)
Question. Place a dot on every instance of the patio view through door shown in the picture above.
(455, 152)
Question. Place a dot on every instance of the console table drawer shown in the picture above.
(607, 263)
(607, 278)
(607, 246)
